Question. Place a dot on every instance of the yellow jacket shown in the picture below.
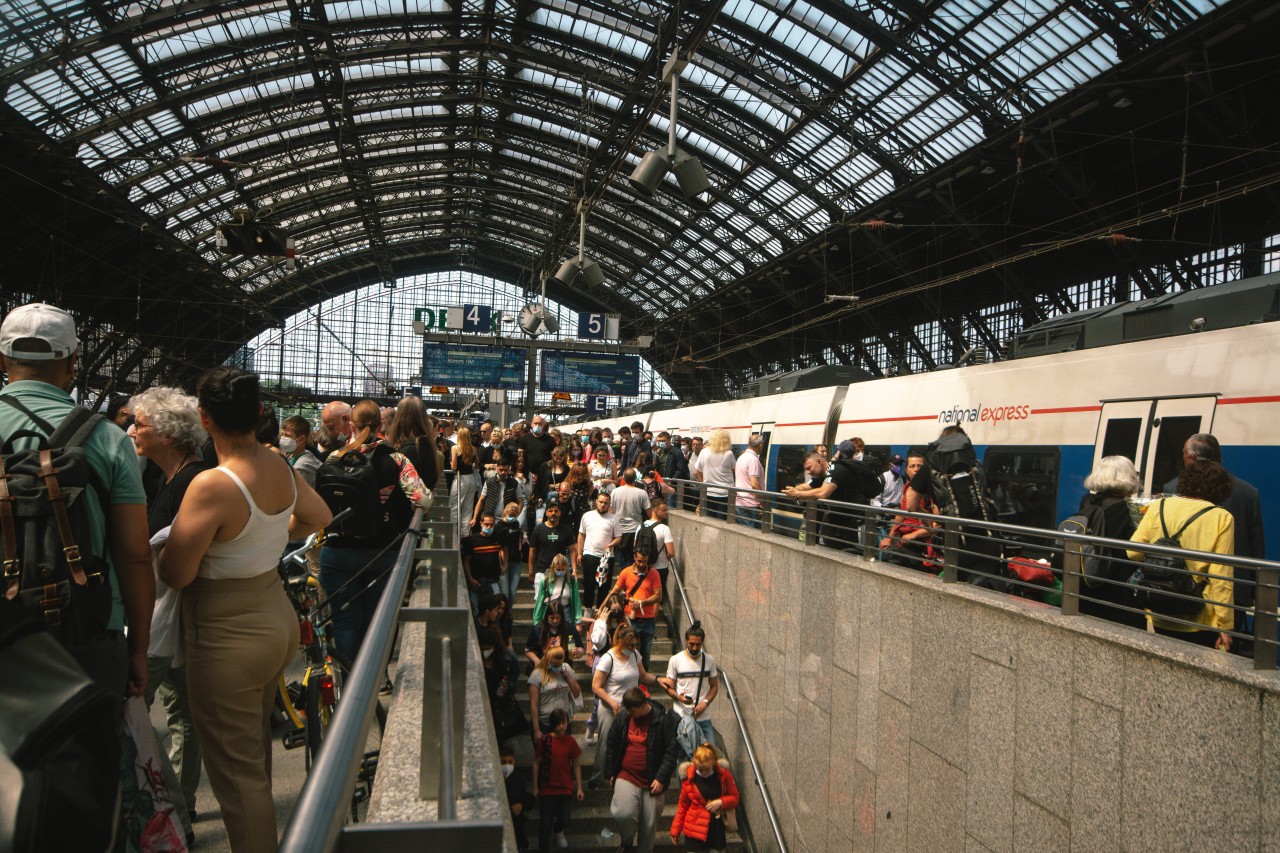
(1213, 532)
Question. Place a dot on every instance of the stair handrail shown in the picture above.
(676, 572)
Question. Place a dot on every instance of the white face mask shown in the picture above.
(288, 444)
(508, 769)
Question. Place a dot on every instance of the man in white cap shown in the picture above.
(38, 352)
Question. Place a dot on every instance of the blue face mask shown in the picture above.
(537, 430)
(662, 445)
(486, 530)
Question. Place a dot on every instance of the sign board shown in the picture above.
(471, 318)
(439, 389)
(589, 373)
(473, 366)
(467, 318)
(413, 391)
(560, 395)
(596, 405)
(598, 327)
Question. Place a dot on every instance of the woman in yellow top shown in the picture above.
(1202, 483)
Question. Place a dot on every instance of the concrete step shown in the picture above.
(593, 842)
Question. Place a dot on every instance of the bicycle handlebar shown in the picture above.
(310, 542)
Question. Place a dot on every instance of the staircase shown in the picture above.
(591, 817)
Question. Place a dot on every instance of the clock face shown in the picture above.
(531, 318)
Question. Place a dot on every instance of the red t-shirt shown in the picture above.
(635, 758)
(648, 589)
(555, 773)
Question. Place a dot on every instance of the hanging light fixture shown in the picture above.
(653, 167)
(589, 269)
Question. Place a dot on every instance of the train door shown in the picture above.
(1152, 432)
(1175, 421)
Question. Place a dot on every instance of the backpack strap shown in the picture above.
(58, 503)
(39, 421)
(8, 530)
(1178, 536)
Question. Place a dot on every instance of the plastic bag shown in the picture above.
(149, 822)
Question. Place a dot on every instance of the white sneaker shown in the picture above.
(592, 737)
(561, 841)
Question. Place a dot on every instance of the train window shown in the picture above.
(1024, 484)
(1174, 432)
(790, 465)
(1121, 438)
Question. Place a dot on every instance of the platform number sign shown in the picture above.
(598, 327)
(470, 318)
(596, 405)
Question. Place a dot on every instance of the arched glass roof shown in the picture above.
(394, 137)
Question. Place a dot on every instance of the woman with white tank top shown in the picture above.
(238, 629)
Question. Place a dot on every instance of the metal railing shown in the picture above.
(982, 553)
(317, 823)
(324, 803)
(676, 573)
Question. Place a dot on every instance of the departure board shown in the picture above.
(590, 373)
(473, 366)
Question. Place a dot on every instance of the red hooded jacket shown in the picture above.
(692, 818)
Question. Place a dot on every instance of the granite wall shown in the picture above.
(893, 712)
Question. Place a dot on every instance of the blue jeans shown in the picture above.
(337, 567)
(486, 588)
(509, 582)
(748, 516)
(645, 629)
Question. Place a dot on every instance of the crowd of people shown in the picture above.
(191, 500)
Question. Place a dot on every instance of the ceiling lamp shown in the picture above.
(590, 270)
(653, 167)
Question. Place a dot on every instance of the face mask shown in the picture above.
(486, 530)
(662, 445)
(537, 430)
(560, 574)
(695, 653)
(287, 444)
(705, 773)
(487, 653)
(507, 770)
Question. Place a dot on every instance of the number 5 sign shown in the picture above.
(598, 327)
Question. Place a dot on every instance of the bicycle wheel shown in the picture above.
(320, 708)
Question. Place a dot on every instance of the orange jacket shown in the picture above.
(692, 818)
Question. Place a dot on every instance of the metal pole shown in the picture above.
(671, 129)
(1264, 619)
(950, 551)
(447, 802)
(1072, 562)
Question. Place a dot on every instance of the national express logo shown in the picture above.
(983, 414)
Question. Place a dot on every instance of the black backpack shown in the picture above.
(348, 479)
(59, 749)
(1163, 583)
(1093, 563)
(45, 527)
(863, 482)
(959, 482)
(646, 540)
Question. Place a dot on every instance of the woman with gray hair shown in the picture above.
(1110, 485)
(167, 431)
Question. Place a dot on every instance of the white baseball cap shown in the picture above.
(38, 332)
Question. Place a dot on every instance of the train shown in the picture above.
(1041, 422)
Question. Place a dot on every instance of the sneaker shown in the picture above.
(592, 737)
(386, 688)
(561, 841)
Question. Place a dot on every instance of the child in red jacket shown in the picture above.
(706, 793)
